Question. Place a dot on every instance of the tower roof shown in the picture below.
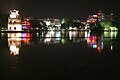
(14, 13)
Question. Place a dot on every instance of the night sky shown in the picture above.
(60, 8)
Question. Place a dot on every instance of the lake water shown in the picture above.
(60, 55)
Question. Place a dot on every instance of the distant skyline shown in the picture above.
(60, 8)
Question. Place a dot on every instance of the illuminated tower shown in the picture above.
(14, 21)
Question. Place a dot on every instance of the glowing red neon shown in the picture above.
(26, 23)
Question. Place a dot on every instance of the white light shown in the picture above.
(111, 47)
(58, 35)
(14, 42)
(14, 50)
(48, 35)
(48, 23)
(18, 34)
(47, 40)
(14, 27)
(13, 16)
(15, 35)
(70, 28)
(37, 28)
(70, 35)
(13, 13)
(58, 25)
(95, 16)
(37, 34)
(86, 34)
(112, 14)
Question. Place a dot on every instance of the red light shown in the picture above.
(93, 40)
(88, 40)
(88, 21)
(27, 38)
(26, 23)
(99, 49)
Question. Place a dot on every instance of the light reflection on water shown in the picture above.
(60, 37)
(16, 41)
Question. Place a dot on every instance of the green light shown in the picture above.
(94, 46)
(113, 28)
(112, 34)
(63, 41)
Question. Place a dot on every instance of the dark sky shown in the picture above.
(60, 8)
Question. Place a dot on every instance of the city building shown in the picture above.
(93, 19)
(14, 21)
(52, 23)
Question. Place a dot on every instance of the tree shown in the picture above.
(65, 23)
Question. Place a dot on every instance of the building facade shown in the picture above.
(14, 21)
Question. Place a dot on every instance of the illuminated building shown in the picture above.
(53, 24)
(14, 21)
(25, 25)
(92, 19)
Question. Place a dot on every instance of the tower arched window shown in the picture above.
(10, 28)
(14, 22)
(14, 28)
(10, 22)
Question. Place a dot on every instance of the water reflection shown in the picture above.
(14, 43)
(72, 34)
(25, 37)
(61, 48)
(95, 41)
(101, 41)
(52, 37)
(112, 34)
(15, 40)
